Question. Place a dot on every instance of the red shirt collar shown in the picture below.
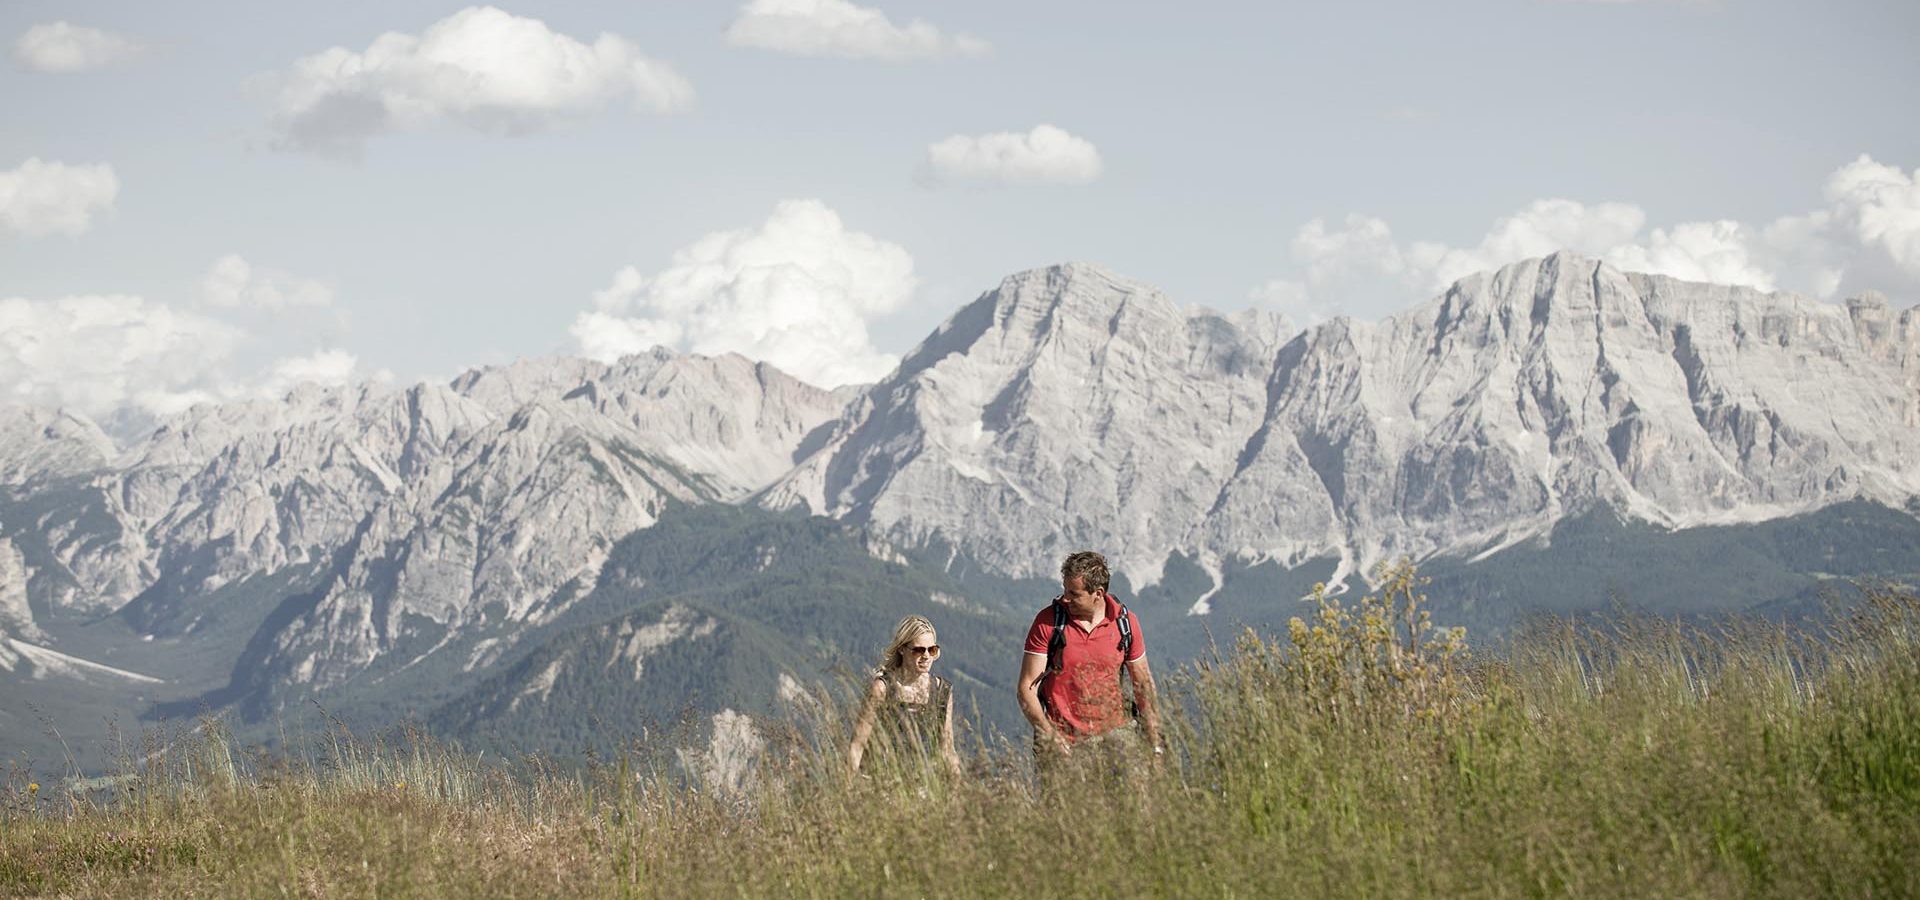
(1113, 607)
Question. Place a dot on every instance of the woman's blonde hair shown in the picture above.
(904, 634)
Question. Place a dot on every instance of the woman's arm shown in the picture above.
(863, 726)
(946, 739)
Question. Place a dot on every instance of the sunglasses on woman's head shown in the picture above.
(926, 651)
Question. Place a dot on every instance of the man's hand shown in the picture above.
(1058, 742)
(1027, 690)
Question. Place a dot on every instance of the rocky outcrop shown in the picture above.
(16, 618)
(1893, 339)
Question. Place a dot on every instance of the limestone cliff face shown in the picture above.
(1067, 408)
(1072, 408)
(1892, 339)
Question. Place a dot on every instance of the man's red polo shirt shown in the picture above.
(1084, 698)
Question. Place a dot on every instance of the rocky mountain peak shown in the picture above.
(1869, 299)
(39, 442)
(1067, 406)
(1035, 307)
(507, 387)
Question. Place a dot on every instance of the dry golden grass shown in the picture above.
(1361, 754)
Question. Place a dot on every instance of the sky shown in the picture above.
(205, 201)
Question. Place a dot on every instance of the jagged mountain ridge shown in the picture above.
(495, 496)
(1481, 417)
(1069, 407)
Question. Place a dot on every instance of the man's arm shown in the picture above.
(1144, 698)
(1033, 667)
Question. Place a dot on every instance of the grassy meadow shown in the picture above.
(1363, 752)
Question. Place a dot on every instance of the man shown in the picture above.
(1069, 685)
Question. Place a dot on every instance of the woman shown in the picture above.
(915, 705)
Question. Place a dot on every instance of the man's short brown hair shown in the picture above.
(1091, 568)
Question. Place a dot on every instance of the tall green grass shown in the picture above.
(1361, 753)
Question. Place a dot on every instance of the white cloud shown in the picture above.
(1868, 236)
(480, 67)
(121, 357)
(837, 28)
(1361, 269)
(1879, 207)
(41, 198)
(99, 354)
(1542, 228)
(232, 282)
(328, 368)
(61, 47)
(797, 291)
(1045, 155)
(1356, 264)
(1722, 252)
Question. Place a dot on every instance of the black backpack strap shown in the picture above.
(1126, 650)
(1057, 644)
